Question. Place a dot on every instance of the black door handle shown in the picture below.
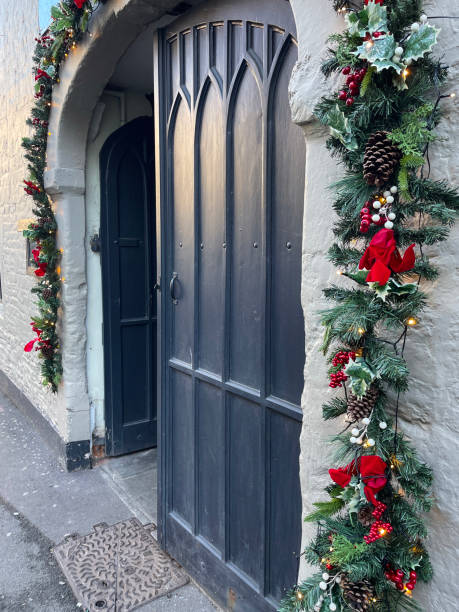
(172, 288)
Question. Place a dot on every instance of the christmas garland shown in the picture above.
(69, 23)
(369, 543)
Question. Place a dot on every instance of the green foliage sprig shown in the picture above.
(68, 25)
(374, 321)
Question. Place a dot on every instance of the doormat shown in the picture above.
(118, 568)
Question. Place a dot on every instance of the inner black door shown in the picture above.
(128, 234)
(232, 188)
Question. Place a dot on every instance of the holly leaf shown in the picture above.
(402, 288)
(379, 53)
(339, 128)
(377, 19)
(421, 42)
(360, 376)
(359, 277)
(353, 23)
(381, 292)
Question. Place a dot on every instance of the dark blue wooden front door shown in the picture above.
(129, 274)
(231, 175)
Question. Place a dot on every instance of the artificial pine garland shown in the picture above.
(369, 543)
(69, 23)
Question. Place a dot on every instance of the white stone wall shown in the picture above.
(430, 411)
(18, 28)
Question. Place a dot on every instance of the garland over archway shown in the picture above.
(369, 546)
(69, 22)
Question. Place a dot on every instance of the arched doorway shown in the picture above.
(230, 183)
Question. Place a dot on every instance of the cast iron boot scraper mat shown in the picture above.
(117, 568)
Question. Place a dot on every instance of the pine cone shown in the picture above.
(365, 516)
(47, 352)
(358, 595)
(380, 160)
(46, 294)
(360, 408)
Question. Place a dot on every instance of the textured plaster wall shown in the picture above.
(18, 28)
(430, 411)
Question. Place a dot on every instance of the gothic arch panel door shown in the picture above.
(128, 273)
(231, 187)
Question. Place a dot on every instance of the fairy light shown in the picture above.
(452, 95)
(361, 331)
(382, 532)
(299, 595)
(369, 44)
(339, 272)
(406, 73)
(411, 321)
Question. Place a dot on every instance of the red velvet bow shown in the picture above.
(29, 346)
(372, 470)
(42, 265)
(375, 1)
(382, 257)
(79, 3)
(342, 476)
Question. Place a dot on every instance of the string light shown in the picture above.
(406, 73)
(361, 331)
(339, 272)
(299, 595)
(411, 321)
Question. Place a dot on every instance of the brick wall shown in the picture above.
(18, 28)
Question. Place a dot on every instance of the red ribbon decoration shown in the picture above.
(79, 3)
(372, 470)
(42, 265)
(375, 1)
(40, 74)
(382, 257)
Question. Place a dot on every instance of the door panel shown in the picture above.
(231, 168)
(129, 271)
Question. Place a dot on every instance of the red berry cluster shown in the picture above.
(31, 188)
(378, 530)
(397, 577)
(340, 359)
(365, 217)
(353, 82)
(45, 41)
(37, 122)
(337, 379)
(379, 510)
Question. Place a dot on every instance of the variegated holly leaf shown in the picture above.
(339, 128)
(379, 53)
(360, 376)
(421, 42)
(381, 291)
(377, 19)
(352, 22)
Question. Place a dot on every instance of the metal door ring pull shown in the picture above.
(172, 288)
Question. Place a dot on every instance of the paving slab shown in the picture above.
(51, 504)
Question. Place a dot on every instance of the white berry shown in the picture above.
(396, 59)
(338, 579)
(359, 441)
(423, 18)
(409, 61)
(371, 442)
(352, 440)
(414, 27)
(366, 421)
(323, 586)
(325, 576)
(383, 425)
(390, 199)
(391, 216)
(355, 432)
(386, 194)
(388, 225)
(376, 204)
(394, 189)
(375, 218)
(332, 606)
(398, 50)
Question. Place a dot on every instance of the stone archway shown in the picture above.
(115, 26)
